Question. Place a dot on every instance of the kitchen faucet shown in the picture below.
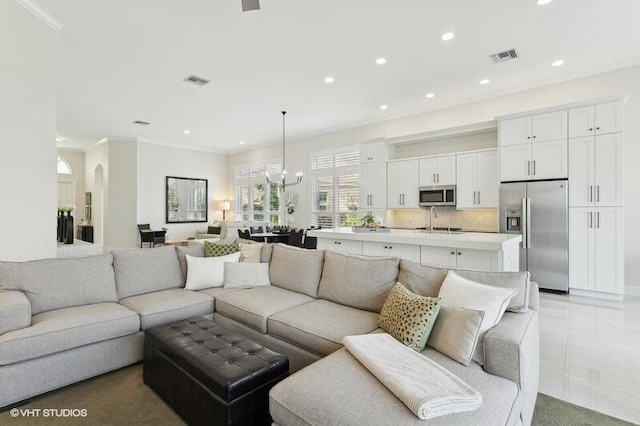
(433, 213)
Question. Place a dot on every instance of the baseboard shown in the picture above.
(632, 291)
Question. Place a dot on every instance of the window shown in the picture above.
(335, 187)
(63, 167)
(255, 199)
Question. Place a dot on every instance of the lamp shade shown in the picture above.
(225, 205)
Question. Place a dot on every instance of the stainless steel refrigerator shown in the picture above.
(539, 211)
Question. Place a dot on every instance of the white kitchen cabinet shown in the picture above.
(596, 244)
(536, 128)
(533, 161)
(598, 119)
(596, 171)
(437, 170)
(348, 246)
(549, 159)
(459, 258)
(402, 251)
(477, 180)
(371, 152)
(402, 184)
(372, 180)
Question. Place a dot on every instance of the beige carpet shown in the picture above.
(121, 398)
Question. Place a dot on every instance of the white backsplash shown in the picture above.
(469, 220)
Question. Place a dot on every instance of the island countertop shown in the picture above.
(468, 240)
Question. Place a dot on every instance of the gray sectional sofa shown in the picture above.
(66, 320)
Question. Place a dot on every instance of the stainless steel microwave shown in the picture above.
(437, 195)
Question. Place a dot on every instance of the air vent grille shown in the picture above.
(505, 56)
(198, 81)
(141, 123)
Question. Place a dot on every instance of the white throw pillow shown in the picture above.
(246, 275)
(206, 272)
(456, 332)
(458, 291)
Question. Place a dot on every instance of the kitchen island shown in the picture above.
(467, 250)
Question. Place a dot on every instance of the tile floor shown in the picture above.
(590, 353)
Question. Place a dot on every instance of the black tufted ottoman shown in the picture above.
(210, 375)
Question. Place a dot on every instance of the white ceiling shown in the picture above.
(124, 60)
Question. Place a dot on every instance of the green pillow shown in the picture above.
(409, 317)
(216, 250)
(215, 230)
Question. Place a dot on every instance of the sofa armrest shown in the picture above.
(512, 351)
(15, 311)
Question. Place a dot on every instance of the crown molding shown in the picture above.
(39, 13)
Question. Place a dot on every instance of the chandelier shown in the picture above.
(282, 181)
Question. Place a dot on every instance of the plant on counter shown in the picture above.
(369, 221)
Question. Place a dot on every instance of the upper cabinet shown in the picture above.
(438, 170)
(402, 184)
(478, 186)
(538, 151)
(536, 128)
(373, 152)
(372, 185)
(596, 120)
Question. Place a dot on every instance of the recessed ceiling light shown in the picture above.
(383, 107)
(485, 81)
(543, 2)
(447, 36)
(381, 61)
(328, 80)
(241, 142)
(187, 132)
(430, 95)
(557, 62)
(59, 138)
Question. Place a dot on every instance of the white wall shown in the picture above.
(121, 202)
(27, 135)
(448, 145)
(621, 82)
(155, 162)
(76, 162)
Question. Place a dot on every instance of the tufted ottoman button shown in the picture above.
(231, 361)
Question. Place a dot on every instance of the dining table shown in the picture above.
(270, 237)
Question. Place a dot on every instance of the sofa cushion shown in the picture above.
(217, 291)
(358, 281)
(195, 250)
(205, 272)
(62, 283)
(161, 307)
(15, 311)
(296, 269)
(252, 307)
(320, 326)
(338, 384)
(63, 329)
(143, 271)
(426, 281)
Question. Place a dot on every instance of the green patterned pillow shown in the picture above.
(409, 317)
(216, 250)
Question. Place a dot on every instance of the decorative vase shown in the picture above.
(60, 219)
(68, 229)
(290, 220)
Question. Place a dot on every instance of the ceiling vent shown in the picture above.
(198, 81)
(141, 123)
(505, 56)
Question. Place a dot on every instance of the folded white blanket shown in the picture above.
(428, 389)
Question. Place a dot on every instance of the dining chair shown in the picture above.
(295, 237)
(245, 235)
(257, 230)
